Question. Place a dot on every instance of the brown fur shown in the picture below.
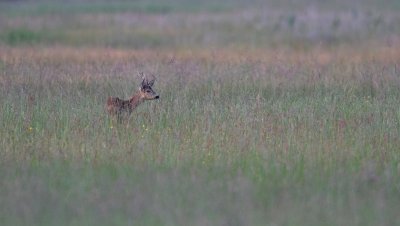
(119, 107)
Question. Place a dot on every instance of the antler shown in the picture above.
(145, 81)
(151, 82)
(143, 78)
(141, 75)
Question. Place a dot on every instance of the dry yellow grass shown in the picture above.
(377, 52)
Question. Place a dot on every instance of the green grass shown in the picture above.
(41, 7)
(20, 36)
(121, 6)
(271, 113)
(246, 143)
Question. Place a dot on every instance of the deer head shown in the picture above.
(146, 89)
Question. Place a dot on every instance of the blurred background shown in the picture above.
(183, 24)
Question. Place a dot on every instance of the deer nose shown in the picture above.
(157, 97)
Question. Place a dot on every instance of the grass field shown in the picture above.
(269, 114)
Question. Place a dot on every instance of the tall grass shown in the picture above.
(271, 113)
(235, 139)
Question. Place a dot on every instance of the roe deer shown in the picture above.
(118, 107)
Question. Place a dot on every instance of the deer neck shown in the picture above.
(135, 100)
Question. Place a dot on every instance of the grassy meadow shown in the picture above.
(269, 113)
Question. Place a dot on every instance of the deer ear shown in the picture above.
(151, 82)
(141, 76)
